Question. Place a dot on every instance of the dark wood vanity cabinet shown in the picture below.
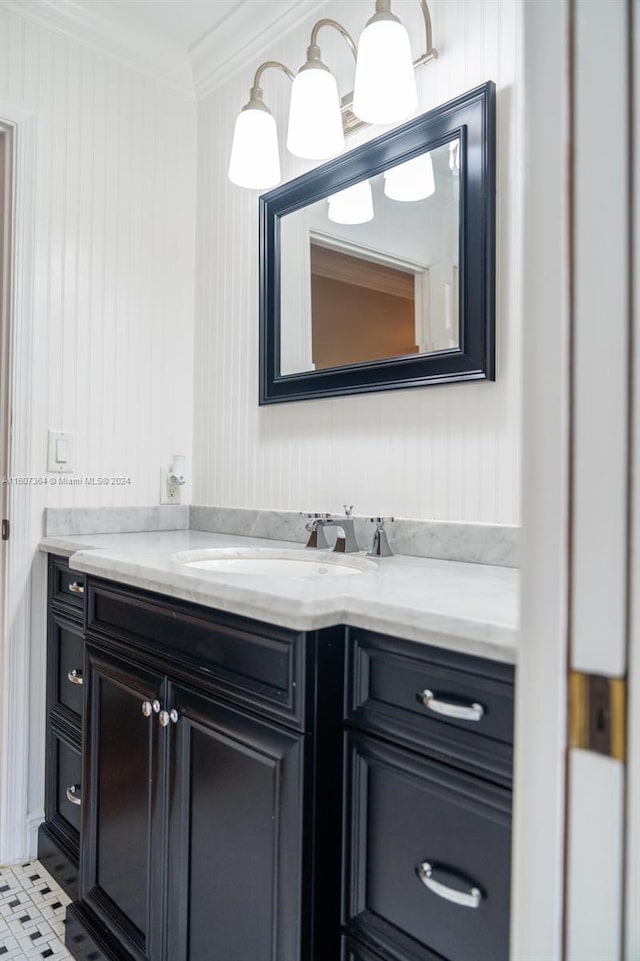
(427, 803)
(235, 791)
(59, 834)
(202, 837)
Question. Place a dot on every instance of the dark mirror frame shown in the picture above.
(471, 118)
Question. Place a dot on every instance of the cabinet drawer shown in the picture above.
(66, 587)
(66, 656)
(428, 856)
(258, 666)
(65, 786)
(431, 697)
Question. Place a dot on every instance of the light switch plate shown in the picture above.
(54, 465)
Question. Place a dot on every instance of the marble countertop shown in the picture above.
(472, 608)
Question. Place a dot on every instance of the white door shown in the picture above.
(5, 168)
(576, 869)
(632, 894)
(602, 425)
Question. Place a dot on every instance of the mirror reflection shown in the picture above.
(371, 272)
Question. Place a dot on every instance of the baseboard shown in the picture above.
(87, 939)
(58, 860)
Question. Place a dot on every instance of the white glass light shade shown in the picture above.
(454, 158)
(353, 205)
(315, 123)
(385, 85)
(412, 180)
(255, 162)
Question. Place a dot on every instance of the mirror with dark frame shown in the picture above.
(377, 269)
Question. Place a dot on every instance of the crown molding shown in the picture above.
(243, 37)
(131, 45)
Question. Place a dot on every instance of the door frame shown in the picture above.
(632, 879)
(541, 686)
(21, 680)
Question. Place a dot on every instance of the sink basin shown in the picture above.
(267, 562)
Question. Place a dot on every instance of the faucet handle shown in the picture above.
(380, 546)
(381, 521)
(348, 508)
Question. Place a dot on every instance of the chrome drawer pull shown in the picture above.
(76, 588)
(463, 712)
(72, 794)
(75, 677)
(467, 899)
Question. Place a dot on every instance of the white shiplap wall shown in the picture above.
(445, 452)
(103, 341)
(114, 205)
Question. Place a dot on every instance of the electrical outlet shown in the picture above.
(169, 493)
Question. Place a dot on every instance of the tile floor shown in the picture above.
(32, 910)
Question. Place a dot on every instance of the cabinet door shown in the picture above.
(429, 853)
(235, 835)
(121, 877)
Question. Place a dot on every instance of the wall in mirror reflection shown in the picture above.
(372, 272)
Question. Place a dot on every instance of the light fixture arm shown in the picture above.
(326, 22)
(430, 53)
(383, 12)
(256, 100)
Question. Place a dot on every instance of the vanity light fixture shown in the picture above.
(454, 158)
(255, 159)
(410, 181)
(315, 121)
(385, 88)
(385, 92)
(353, 205)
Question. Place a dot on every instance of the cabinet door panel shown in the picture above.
(64, 774)
(122, 866)
(405, 813)
(66, 656)
(235, 836)
(66, 587)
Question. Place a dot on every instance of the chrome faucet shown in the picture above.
(347, 543)
(315, 525)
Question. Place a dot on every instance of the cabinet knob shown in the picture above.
(73, 794)
(169, 717)
(156, 706)
(462, 712)
(466, 899)
(147, 708)
(76, 588)
(75, 676)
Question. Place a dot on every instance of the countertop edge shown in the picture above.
(480, 638)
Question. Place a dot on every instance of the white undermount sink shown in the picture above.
(268, 562)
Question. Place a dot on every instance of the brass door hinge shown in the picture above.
(5, 529)
(598, 714)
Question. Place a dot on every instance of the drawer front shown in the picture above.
(65, 786)
(429, 856)
(419, 692)
(66, 587)
(65, 666)
(259, 666)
